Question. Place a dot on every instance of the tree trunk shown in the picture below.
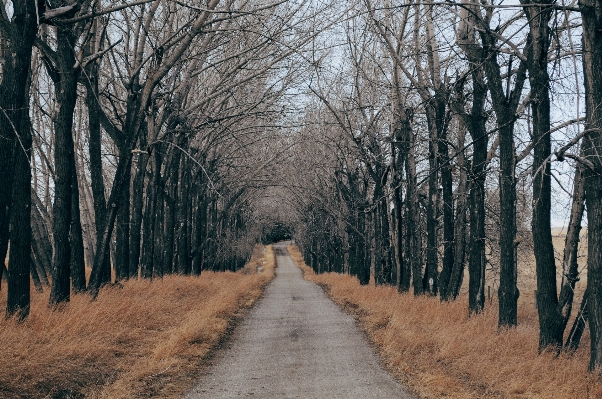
(182, 253)
(448, 208)
(149, 220)
(15, 139)
(430, 280)
(122, 231)
(96, 174)
(136, 220)
(508, 292)
(457, 273)
(102, 245)
(170, 225)
(35, 277)
(475, 124)
(78, 268)
(574, 338)
(414, 240)
(158, 234)
(200, 229)
(591, 15)
(570, 267)
(551, 325)
(505, 105)
(19, 261)
(65, 83)
(41, 241)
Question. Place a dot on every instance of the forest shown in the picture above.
(426, 145)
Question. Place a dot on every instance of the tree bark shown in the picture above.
(41, 240)
(591, 15)
(34, 276)
(505, 105)
(449, 240)
(570, 267)
(65, 83)
(149, 220)
(430, 281)
(78, 269)
(15, 144)
(183, 255)
(457, 273)
(574, 338)
(96, 174)
(413, 220)
(122, 229)
(551, 324)
(136, 217)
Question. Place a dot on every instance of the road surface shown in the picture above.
(296, 343)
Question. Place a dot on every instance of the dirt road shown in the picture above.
(296, 343)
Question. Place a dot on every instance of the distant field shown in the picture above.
(527, 279)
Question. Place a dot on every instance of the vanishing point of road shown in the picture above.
(296, 343)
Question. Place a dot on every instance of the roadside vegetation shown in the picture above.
(437, 350)
(139, 340)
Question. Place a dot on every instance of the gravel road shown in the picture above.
(296, 343)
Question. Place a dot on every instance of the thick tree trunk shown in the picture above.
(65, 83)
(96, 175)
(505, 105)
(508, 292)
(551, 325)
(475, 123)
(15, 139)
(477, 261)
(591, 15)
(19, 262)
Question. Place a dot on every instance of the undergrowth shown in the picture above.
(141, 339)
(437, 351)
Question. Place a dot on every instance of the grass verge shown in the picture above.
(437, 351)
(143, 339)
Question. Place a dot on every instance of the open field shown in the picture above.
(527, 279)
(141, 339)
(436, 350)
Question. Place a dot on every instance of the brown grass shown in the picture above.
(436, 350)
(145, 339)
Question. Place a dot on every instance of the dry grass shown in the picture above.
(437, 351)
(145, 339)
